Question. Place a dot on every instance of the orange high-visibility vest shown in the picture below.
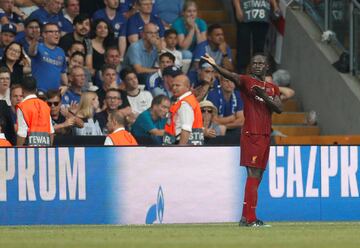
(123, 138)
(37, 117)
(4, 143)
(197, 133)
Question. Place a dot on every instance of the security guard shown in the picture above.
(185, 124)
(33, 118)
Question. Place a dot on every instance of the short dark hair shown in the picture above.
(80, 18)
(4, 69)
(113, 90)
(29, 84)
(77, 53)
(14, 87)
(169, 55)
(212, 27)
(169, 32)
(2, 124)
(126, 71)
(159, 99)
(109, 49)
(105, 67)
(30, 20)
(53, 93)
(44, 26)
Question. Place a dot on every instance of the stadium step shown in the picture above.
(297, 130)
(319, 140)
(214, 16)
(209, 4)
(291, 105)
(289, 118)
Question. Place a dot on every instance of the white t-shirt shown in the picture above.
(141, 102)
(184, 118)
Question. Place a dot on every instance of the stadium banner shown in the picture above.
(147, 185)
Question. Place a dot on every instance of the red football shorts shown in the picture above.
(254, 150)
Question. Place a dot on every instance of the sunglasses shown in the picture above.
(206, 111)
(53, 104)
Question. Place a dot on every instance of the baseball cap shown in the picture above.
(10, 28)
(172, 71)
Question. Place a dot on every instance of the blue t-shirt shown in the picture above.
(204, 47)
(13, 17)
(70, 97)
(169, 12)
(136, 24)
(180, 27)
(144, 123)
(44, 17)
(47, 66)
(126, 5)
(154, 81)
(225, 108)
(118, 23)
(67, 25)
(137, 55)
(195, 81)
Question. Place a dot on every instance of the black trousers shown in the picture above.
(251, 38)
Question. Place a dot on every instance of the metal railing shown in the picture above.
(343, 18)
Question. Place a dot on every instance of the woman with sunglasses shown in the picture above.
(17, 61)
(211, 129)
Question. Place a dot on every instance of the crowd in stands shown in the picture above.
(104, 66)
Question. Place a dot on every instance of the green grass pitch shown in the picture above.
(284, 234)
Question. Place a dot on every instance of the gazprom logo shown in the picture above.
(156, 211)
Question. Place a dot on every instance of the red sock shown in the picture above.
(250, 199)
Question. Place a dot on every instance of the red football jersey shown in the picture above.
(257, 114)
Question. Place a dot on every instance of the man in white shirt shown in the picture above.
(140, 100)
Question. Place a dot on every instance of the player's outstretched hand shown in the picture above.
(208, 59)
(259, 91)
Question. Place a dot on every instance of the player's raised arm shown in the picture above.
(225, 73)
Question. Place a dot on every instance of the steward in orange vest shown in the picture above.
(36, 114)
(119, 136)
(181, 86)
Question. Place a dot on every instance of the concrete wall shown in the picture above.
(334, 96)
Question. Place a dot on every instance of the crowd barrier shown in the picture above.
(146, 185)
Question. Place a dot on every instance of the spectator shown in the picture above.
(62, 123)
(184, 125)
(7, 35)
(203, 80)
(150, 123)
(89, 105)
(31, 34)
(5, 85)
(78, 59)
(191, 29)
(169, 73)
(3, 141)
(109, 76)
(102, 37)
(127, 8)
(33, 118)
(137, 22)
(139, 100)
(16, 96)
(228, 103)
(211, 128)
(48, 60)
(113, 102)
(143, 54)
(251, 28)
(155, 80)
(112, 58)
(77, 82)
(11, 14)
(216, 47)
(50, 13)
(8, 127)
(169, 12)
(16, 61)
(28, 6)
(71, 10)
(170, 46)
(117, 20)
(80, 33)
(119, 136)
